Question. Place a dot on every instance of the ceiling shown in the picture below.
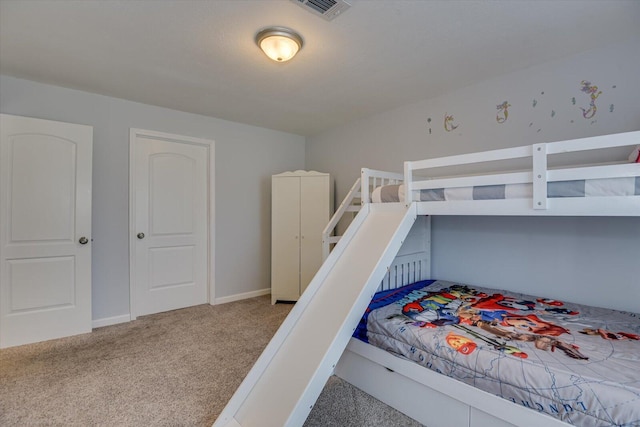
(200, 56)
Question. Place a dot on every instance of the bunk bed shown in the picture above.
(493, 330)
(388, 246)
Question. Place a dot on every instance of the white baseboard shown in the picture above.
(107, 321)
(238, 297)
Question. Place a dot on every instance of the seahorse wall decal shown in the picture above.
(593, 92)
(503, 113)
(448, 123)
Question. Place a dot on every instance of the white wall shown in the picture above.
(565, 254)
(245, 157)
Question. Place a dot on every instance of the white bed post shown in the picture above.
(365, 195)
(408, 183)
(427, 247)
(539, 176)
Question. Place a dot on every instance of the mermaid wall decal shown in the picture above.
(503, 112)
(593, 92)
(448, 123)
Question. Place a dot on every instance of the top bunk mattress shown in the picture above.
(574, 362)
(605, 187)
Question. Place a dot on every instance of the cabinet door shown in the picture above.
(285, 238)
(314, 216)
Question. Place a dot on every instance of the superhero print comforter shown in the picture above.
(578, 363)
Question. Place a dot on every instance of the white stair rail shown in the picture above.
(362, 188)
(345, 206)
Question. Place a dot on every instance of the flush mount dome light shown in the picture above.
(279, 43)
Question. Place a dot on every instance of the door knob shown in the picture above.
(141, 236)
(83, 240)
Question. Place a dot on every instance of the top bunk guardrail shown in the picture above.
(537, 199)
(531, 185)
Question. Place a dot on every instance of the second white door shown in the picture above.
(170, 222)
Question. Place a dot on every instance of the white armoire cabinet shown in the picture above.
(300, 209)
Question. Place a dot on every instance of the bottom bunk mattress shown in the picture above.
(577, 363)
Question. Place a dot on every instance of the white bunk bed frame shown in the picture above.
(429, 397)
(394, 238)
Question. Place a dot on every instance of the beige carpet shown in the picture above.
(170, 369)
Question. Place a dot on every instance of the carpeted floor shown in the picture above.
(169, 369)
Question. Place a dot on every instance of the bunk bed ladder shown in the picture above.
(361, 190)
(287, 378)
(349, 204)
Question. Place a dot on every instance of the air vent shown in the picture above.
(328, 9)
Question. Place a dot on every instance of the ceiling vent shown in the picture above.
(328, 9)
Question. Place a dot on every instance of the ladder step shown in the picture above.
(353, 208)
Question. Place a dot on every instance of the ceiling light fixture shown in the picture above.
(279, 43)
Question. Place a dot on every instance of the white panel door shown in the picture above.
(45, 229)
(285, 238)
(170, 241)
(314, 216)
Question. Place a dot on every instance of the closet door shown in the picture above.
(45, 230)
(314, 216)
(170, 236)
(285, 238)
